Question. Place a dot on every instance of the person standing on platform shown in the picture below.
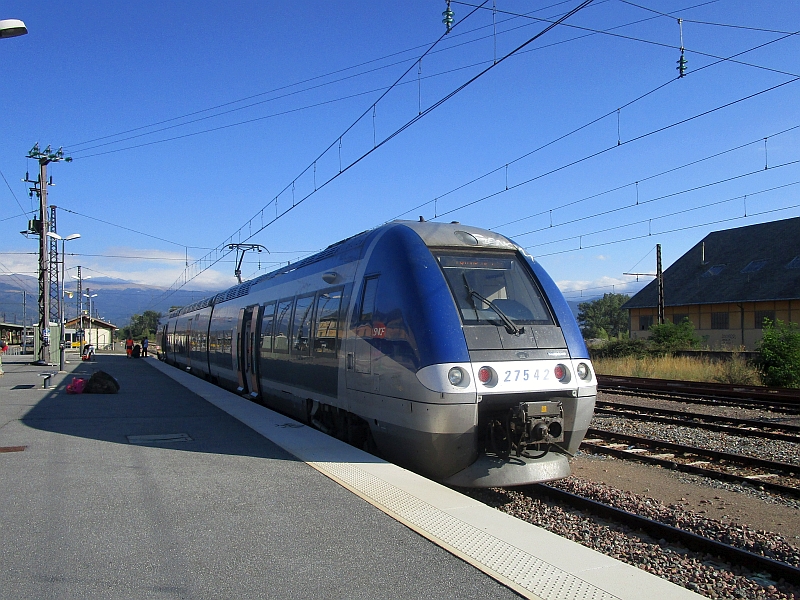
(3, 348)
(145, 343)
(129, 346)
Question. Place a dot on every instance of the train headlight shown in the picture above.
(584, 372)
(455, 376)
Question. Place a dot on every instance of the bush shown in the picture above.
(778, 360)
(622, 348)
(736, 371)
(668, 338)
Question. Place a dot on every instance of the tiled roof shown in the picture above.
(746, 264)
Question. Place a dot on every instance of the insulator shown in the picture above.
(448, 15)
(681, 68)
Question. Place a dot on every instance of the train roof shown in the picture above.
(432, 233)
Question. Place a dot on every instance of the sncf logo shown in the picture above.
(378, 330)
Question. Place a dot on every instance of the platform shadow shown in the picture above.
(149, 403)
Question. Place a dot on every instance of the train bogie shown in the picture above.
(443, 348)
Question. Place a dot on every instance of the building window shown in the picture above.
(764, 314)
(679, 318)
(715, 270)
(645, 322)
(753, 266)
(719, 320)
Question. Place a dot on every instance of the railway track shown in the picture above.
(777, 400)
(724, 424)
(781, 478)
(658, 530)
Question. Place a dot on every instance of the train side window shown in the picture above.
(284, 313)
(368, 299)
(301, 328)
(267, 322)
(326, 340)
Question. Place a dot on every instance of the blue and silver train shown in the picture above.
(444, 348)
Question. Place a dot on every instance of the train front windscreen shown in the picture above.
(491, 287)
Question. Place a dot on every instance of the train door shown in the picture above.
(242, 323)
(251, 351)
(188, 346)
(361, 351)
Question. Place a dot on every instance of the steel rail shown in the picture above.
(784, 395)
(741, 427)
(785, 427)
(684, 467)
(686, 398)
(693, 541)
(715, 454)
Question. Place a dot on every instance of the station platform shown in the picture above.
(175, 488)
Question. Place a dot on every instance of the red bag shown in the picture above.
(76, 386)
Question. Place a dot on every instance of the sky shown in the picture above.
(193, 125)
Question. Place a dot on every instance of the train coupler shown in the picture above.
(527, 426)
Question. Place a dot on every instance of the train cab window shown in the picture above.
(368, 299)
(284, 313)
(267, 322)
(327, 324)
(503, 280)
(301, 327)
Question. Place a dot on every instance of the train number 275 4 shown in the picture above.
(526, 375)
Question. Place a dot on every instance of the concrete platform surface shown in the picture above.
(85, 513)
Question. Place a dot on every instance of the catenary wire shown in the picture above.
(608, 32)
(672, 16)
(351, 96)
(643, 179)
(619, 144)
(656, 199)
(24, 212)
(576, 130)
(408, 124)
(678, 229)
(667, 215)
(329, 74)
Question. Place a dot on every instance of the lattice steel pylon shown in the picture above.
(55, 300)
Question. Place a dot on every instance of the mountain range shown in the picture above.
(116, 302)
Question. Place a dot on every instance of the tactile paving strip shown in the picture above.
(523, 572)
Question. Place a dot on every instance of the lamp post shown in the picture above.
(79, 315)
(12, 28)
(89, 295)
(55, 236)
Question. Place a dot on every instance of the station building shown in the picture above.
(727, 284)
(95, 331)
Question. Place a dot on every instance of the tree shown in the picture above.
(604, 318)
(778, 360)
(669, 337)
(144, 325)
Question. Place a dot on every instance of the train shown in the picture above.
(443, 348)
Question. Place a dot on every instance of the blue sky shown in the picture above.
(187, 119)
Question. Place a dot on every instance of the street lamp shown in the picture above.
(79, 291)
(12, 28)
(90, 296)
(55, 236)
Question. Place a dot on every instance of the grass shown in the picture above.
(735, 371)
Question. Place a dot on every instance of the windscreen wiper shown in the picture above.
(511, 327)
